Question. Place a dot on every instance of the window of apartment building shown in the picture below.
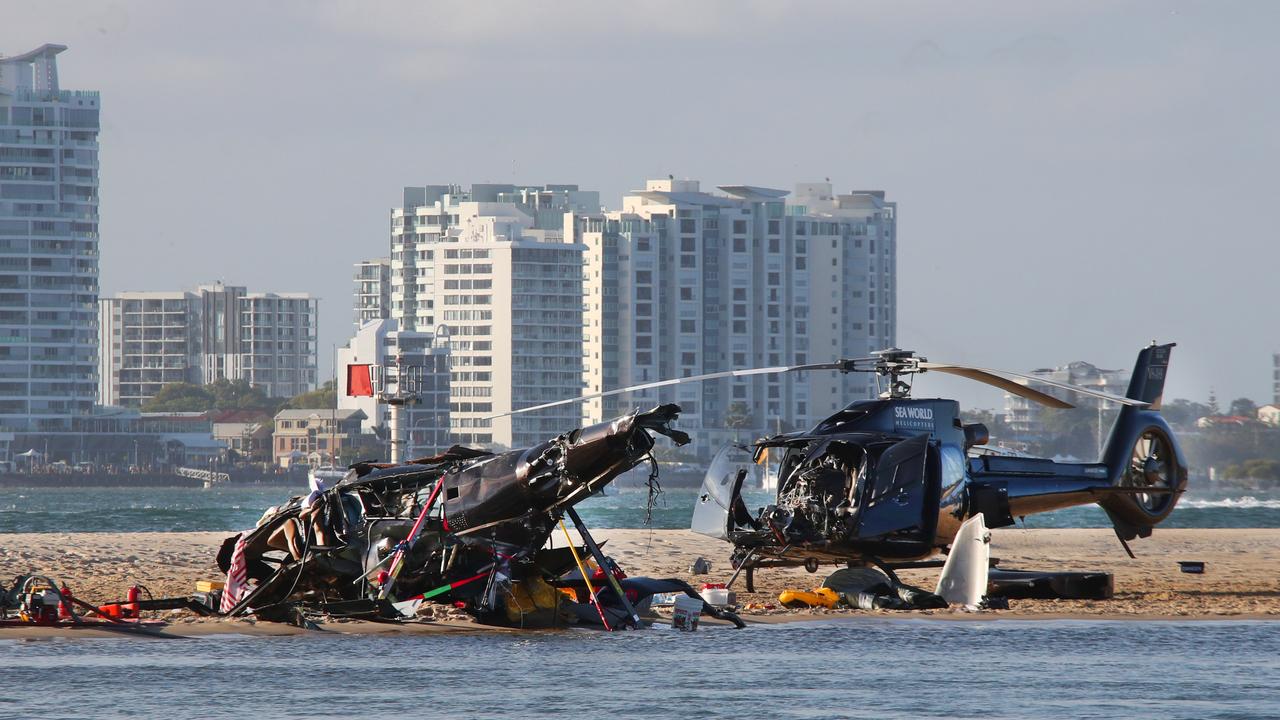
(739, 311)
(644, 293)
(740, 244)
(688, 261)
(644, 326)
(802, 227)
(774, 227)
(686, 293)
(644, 358)
(740, 227)
(688, 359)
(644, 277)
(775, 245)
(688, 244)
(688, 326)
(740, 327)
(644, 341)
(775, 278)
(689, 226)
(644, 308)
(800, 262)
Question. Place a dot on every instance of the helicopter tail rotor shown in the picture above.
(1147, 468)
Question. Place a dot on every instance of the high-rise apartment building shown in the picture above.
(683, 282)
(48, 246)
(372, 291)
(150, 339)
(490, 268)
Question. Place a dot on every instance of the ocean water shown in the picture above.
(239, 507)
(850, 668)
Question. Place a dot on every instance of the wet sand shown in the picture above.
(1241, 580)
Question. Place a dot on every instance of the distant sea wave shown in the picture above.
(238, 507)
(1246, 502)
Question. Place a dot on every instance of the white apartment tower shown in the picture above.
(683, 282)
(150, 339)
(490, 268)
(48, 245)
(372, 291)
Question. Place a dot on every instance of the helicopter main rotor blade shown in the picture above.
(995, 377)
(1005, 384)
(677, 381)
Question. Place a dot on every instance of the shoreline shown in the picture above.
(1240, 582)
(217, 628)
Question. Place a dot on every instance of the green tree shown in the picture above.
(368, 449)
(738, 416)
(1244, 407)
(180, 397)
(1262, 469)
(1184, 413)
(325, 397)
(238, 395)
(1075, 433)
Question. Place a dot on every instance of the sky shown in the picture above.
(1073, 179)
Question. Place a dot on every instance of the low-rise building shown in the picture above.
(249, 441)
(1269, 415)
(1024, 416)
(315, 436)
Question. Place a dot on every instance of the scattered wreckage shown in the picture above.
(466, 527)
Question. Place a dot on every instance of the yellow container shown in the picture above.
(209, 585)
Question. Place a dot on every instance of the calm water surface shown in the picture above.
(856, 668)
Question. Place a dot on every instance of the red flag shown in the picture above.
(359, 381)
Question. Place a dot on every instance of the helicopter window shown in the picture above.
(953, 463)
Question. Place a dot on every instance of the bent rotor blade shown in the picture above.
(941, 367)
(1009, 386)
(677, 381)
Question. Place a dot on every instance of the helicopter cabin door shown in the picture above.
(900, 509)
(721, 488)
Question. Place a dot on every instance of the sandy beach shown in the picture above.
(1241, 581)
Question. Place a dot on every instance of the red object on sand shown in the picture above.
(64, 607)
(131, 606)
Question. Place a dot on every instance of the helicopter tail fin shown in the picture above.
(1146, 466)
(1147, 382)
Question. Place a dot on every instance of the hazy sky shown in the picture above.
(1073, 180)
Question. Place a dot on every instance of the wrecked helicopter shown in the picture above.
(466, 527)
